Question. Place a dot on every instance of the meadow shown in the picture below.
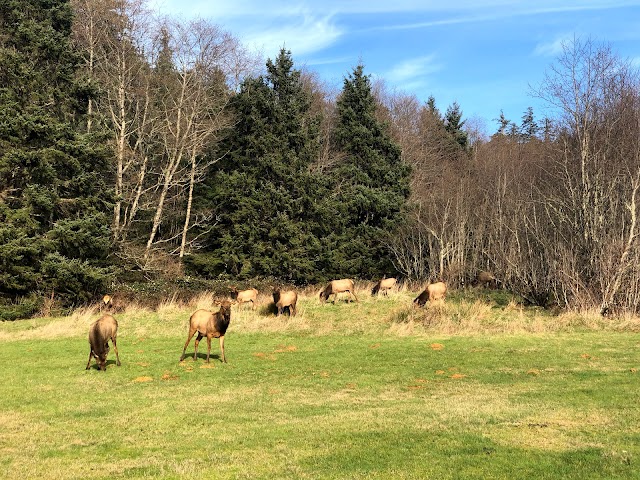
(477, 387)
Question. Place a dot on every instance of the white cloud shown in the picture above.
(554, 47)
(303, 35)
(462, 11)
(412, 71)
(225, 8)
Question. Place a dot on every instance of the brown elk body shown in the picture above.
(100, 332)
(288, 298)
(486, 279)
(210, 325)
(433, 292)
(244, 296)
(338, 286)
(383, 286)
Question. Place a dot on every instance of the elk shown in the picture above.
(106, 305)
(285, 299)
(210, 325)
(486, 279)
(107, 301)
(245, 296)
(100, 332)
(383, 286)
(433, 292)
(338, 286)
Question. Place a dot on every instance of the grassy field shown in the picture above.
(476, 388)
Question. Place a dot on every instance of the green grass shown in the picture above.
(367, 390)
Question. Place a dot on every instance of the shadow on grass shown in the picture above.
(202, 356)
(95, 366)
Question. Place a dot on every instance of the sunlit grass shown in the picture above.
(472, 388)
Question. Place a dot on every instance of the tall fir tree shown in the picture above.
(503, 124)
(54, 203)
(263, 188)
(453, 123)
(371, 185)
(529, 127)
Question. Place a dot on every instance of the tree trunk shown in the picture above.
(192, 181)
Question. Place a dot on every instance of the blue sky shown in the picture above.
(484, 55)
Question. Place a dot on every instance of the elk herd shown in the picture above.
(215, 324)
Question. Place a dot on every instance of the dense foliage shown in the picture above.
(373, 183)
(54, 202)
(280, 218)
(262, 190)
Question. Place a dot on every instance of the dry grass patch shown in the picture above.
(481, 317)
(554, 430)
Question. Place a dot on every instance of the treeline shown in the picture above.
(133, 147)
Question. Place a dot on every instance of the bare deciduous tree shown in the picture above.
(596, 94)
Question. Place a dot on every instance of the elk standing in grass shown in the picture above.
(210, 325)
(100, 332)
(383, 286)
(338, 286)
(245, 296)
(433, 292)
(286, 299)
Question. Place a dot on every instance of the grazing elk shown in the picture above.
(286, 299)
(486, 279)
(100, 332)
(433, 292)
(210, 325)
(338, 286)
(107, 301)
(245, 296)
(383, 286)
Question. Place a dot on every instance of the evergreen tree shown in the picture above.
(263, 187)
(503, 124)
(453, 124)
(371, 185)
(431, 106)
(529, 127)
(54, 234)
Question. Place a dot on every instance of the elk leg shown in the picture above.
(89, 362)
(184, 350)
(115, 347)
(224, 359)
(354, 295)
(195, 352)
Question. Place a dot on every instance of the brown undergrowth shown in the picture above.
(463, 312)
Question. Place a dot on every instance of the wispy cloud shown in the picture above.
(285, 7)
(470, 12)
(554, 47)
(413, 72)
(303, 35)
(329, 60)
